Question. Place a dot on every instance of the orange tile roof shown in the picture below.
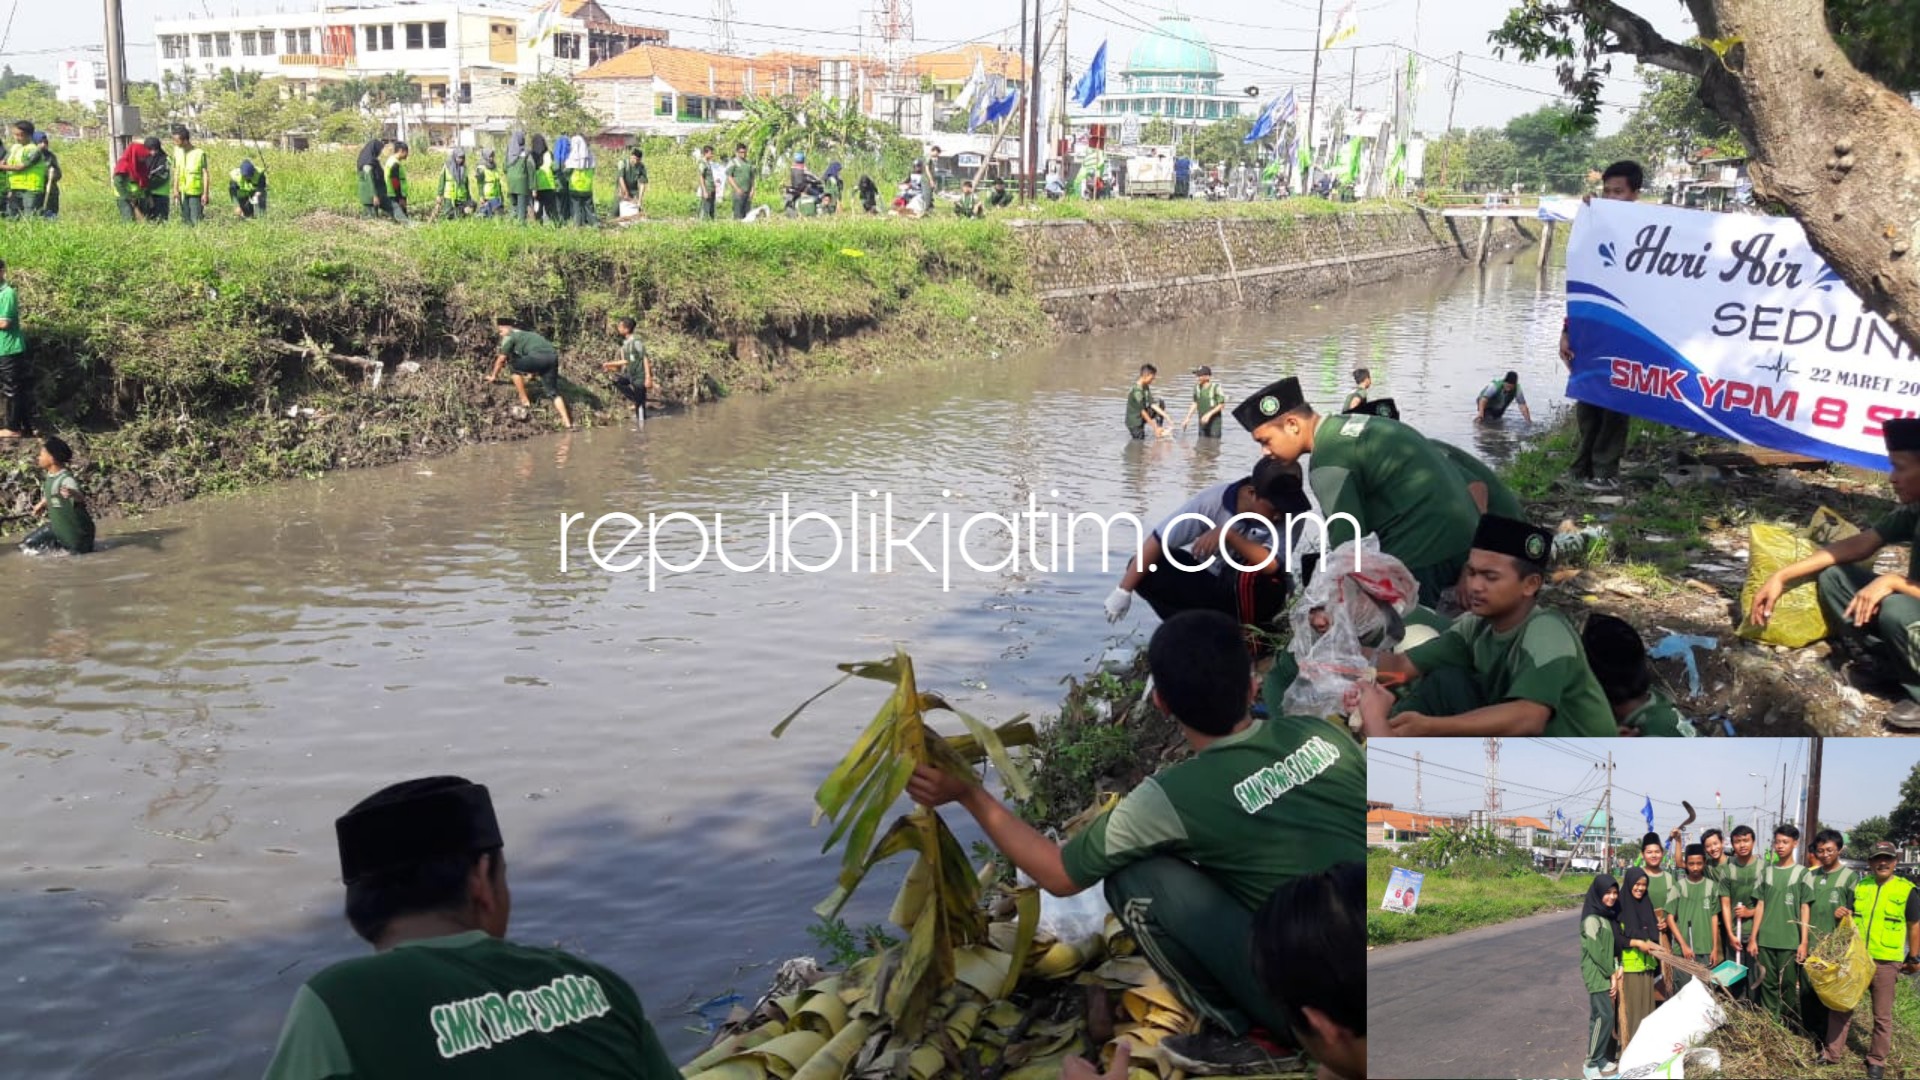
(1524, 822)
(957, 66)
(687, 70)
(1404, 820)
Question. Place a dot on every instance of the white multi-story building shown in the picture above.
(466, 57)
(83, 79)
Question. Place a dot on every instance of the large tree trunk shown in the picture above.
(1840, 151)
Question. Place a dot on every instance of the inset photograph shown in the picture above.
(1638, 908)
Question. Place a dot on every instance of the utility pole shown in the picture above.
(1026, 129)
(1064, 147)
(1606, 866)
(1453, 98)
(1353, 73)
(1813, 789)
(1783, 796)
(1419, 804)
(1313, 97)
(1493, 777)
(122, 122)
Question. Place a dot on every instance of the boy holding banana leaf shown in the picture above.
(1187, 857)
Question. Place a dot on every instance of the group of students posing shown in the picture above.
(1767, 912)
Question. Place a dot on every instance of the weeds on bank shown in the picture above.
(1098, 743)
(1752, 1043)
(845, 945)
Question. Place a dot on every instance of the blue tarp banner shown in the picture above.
(1730, 325)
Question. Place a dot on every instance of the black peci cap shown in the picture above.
(1516, 538)
(1903, 434)
(412, 822)
(1268, 402)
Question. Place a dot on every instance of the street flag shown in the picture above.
(1094, 82)
(1578, 830)
(544, 24)
(1344, 27)
(1647, 812)
(971, 89)
(1002, 107)
(1272, 118)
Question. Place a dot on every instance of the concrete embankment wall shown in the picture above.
(1093, 275)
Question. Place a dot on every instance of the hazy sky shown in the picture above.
(1862, 777)
(1269, 44)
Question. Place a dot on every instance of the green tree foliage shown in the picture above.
(1864, 835)
(1224, 141)
(9, 82)
(1670, 121)
(1553, 154)
(1156, 132)
(554, 105)
(1881, 37)
(1476, 160)
(774, 127)
(1903, 825)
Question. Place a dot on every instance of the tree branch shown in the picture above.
(1636, 36)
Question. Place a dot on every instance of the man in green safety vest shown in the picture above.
(247, 187)
(26, 169)
(190, 181)
(396, 170)
(1886, 912)
(159, 189)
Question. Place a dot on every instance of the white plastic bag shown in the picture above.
(1071, 918)
(1660, 1045)
(1354, 606)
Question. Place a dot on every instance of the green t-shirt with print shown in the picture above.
(1659, 890)
(1208, 396)
(1501, 501)
(1541, 660)
(468, 1006)
(1739, 884)
(1827, 893)
(528, 351)
(1596, 954)
(13, 341)
(1396, 483)
(67, 512)
(635, 355)
(1900, 527)
(1782, 889)
(741, 173)
(1280, 799)
(1694, 906)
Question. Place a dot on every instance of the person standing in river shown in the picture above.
(69, 526)
(1498, 396)
(1209, 401)
(1188, 856)
(1142, 412)
(445, 994)
(1362, 385)
(633, 376)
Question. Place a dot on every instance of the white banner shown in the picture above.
(1730, 325)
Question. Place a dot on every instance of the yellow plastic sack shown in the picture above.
(1841, 985)
(1797, 618)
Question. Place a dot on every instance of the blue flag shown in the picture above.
(1578, 830)
(1647, 812)
(999, 110)
(1094, 82)
(1271, 118)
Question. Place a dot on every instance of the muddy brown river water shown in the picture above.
(183, 714)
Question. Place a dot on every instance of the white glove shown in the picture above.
(1118, 601)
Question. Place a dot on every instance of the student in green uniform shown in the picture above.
(1490, 493)
(247, 187)
(26, 168)
(488, 192)
(16, 368)
(545, 180)
(633, 184)
(1600, 973)
(1780, 929)
(518, 176)
(1886, 912)
(1693, 912)
(1885, 609)
(1829, 903)
(1362, 384)
(1740, 878)
(530, 354)
(191, 175)
(1507, 667)
(1209, 401)
(50, 203)
(740, 182)
(1140, 406)
(456, 186)
(1499, 395)
(69, 527)
(999, 197)
(1381, 473)
(705, 189)
(634, 378)
(1659, 882)
(159, 189)
(1619, 660)
(445, 994)
(1188, 856)
(395, 168)
(1640, 949)
(969, 204)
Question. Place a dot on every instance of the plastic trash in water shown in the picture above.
(1568, 545)
(1681, 646)
(716, 1011)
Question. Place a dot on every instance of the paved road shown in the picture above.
(1500, 1001)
